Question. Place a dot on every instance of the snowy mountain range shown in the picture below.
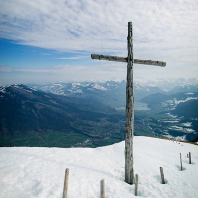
(175, 99)
(35, 118)
(107, 91)
(89, 115)
(50, 115)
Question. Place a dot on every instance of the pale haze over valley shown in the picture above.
(50, 41)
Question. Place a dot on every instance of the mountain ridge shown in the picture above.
(91, 111)
(117, 90)
(26, 112)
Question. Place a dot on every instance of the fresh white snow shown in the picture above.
(188, 130)
(170, 121)
(75, 84)
(39, 172)
(173, 103)
(185, 130)
(96, 86)
(187, 124)
(2, 89)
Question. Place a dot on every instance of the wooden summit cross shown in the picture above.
(129, 99)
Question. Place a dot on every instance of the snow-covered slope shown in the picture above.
(39, 172)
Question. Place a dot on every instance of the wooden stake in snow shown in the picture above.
(162, 175)
(129, 99)
(102, 189)
(66, 183)
(181, 161)
(136, 184)
(189, 157)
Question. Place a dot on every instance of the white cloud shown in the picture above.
(100, 25)
(163, 29)
(104, 71)
(76, 57)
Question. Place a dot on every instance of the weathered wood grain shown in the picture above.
(162, 175)
(125, 60)
(109, 58)
(189, 157)
(102, 188)
(150, 62)
(136, 184)
(129, 173)
(181, 161)
(65, 188)
(129, 111)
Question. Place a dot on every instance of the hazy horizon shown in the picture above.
(160, 82)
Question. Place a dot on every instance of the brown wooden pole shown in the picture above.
(129, 111)
(189, 157)
(102, 189)
(65, 189)
(136, 184)
(181, 161)
(162, 175)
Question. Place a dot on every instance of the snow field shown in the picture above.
(39, 172)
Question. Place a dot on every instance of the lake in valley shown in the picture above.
(138, 106)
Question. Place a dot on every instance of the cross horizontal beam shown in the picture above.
(123, 59)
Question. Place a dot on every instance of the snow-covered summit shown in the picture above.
(39, 172)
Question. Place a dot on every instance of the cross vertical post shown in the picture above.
(129, 175)
(129, 110)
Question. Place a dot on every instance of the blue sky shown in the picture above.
(44, 41)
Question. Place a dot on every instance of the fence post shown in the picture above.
(102, 189)
(65, 188)
(189, 157)
(136, 184)
(162, 175)
(181, 161)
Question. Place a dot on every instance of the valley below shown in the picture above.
(92, 114)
